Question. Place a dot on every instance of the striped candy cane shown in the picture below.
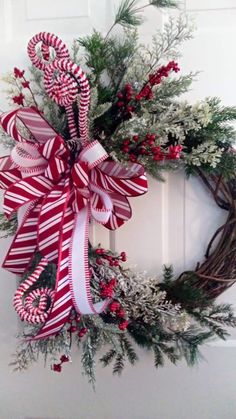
(33, 306)
(47, 40)
(64, 87)
(61, 83)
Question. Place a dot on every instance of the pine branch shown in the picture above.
(108, 357)
(163, 3)
(129, 350)
(158, 357)
(126, 15)
(119, 364)
(88, 360)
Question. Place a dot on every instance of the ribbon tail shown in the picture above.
(79, 268)
(24, 243)
(63, 303)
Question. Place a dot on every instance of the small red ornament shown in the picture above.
(120, 104)
(99, 261)
(135, 138)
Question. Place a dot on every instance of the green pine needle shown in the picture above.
(127, 14)
(163, 3)
(119, 365)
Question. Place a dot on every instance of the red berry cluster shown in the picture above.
(138, 146)
(107, 288)
(58, 367)
(75, 325)
(155, 79)
(117, 310)
(124, 98)
(111, 259)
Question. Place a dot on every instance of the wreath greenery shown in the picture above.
(137, 115)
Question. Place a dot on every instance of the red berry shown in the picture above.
(143, 150)
(64, 358)
(158, 157)
(126, 141)
(116, 262)
(111, 263)
(99, 251)
(107, 292)
(156, 150)
(123, 325)
(72, 329)
(120, 313)
(120, 104)
(114, 306)
(130, 109)
(133, 158)
(99, 261)
(125, 149)
(128, 86)
(82, 332)
(56, 367)
(135, 138)
(112, 282)
(123, 256)
(120, 95)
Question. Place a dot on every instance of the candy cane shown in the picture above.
(34, 306)
(47, 40)
(50, 40)
(61, 78)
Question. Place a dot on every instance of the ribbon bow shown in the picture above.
(59, 197)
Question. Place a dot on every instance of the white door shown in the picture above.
(168, 226)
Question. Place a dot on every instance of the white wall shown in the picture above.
(174, 231)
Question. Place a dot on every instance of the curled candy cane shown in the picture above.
(34, 306)
(47, 40)
(61, 80)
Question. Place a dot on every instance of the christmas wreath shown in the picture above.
(71, 162)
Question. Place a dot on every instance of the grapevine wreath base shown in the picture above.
(71, 162)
